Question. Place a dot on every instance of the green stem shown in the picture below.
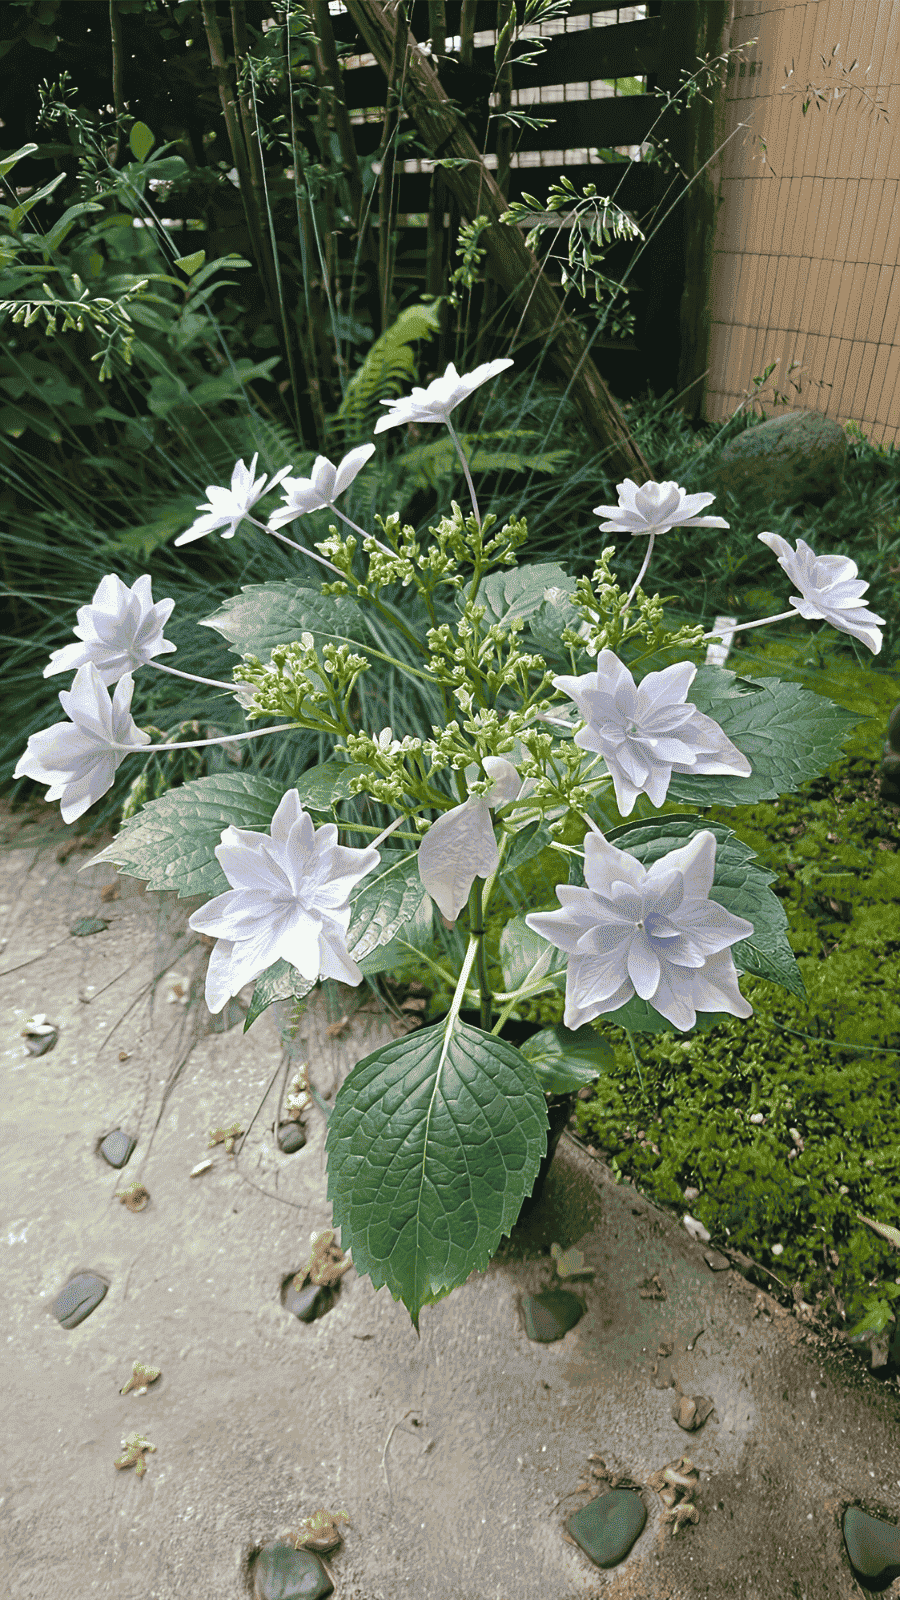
(476, 925)
(465, 466)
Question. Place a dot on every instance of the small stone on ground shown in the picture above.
(872, 1545)
(607, 1527)
(81, 1295)
(550, 1315)
(283, 1573)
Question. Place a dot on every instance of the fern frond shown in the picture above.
(388, 369)
(426, 464)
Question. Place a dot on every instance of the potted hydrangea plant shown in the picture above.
(565, 700)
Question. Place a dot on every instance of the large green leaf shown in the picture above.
(319, 787)
(741, 885)
(382, 904)
(399, 910)
(787, 733)
(521, 591)
(172, 841)
(545, 626)
(433, 1143)
(264, 615)
(565, 1060)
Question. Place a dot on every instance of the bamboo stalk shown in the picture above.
(241, 150)
(435, 257)
(387, 196)
(328, 72)
(514, 266)
(506, 24)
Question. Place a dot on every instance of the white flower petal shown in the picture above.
(458, 848)
(435, 403)
(647, 731)
(121, 630)
(651, 932)
(830, 590)
(289, 901)
(75, 758)
(656, 508)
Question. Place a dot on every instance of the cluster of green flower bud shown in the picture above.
(385, 758)
(296, 683)
(609, 618)
(474, 663)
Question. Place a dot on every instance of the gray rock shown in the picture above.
(81, 1295)
(283, 1573)
(782, 462)
(872, 1545)
(117, 1148)
(290, 1137)
(550, 1315)
(308, 1303)
(607, 1527)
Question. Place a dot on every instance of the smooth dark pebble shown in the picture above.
(607, 1527)
(550, 1315)
(86, 925)
(81, 1295)
(290, 1137)
(872, 1545)
(283, 1573)
(116, 1148)
(306, 1303)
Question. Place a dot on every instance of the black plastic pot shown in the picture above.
(559, 1110)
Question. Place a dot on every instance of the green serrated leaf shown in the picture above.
(172, 841)
(741, 885)
(382, 904)
(565, 1060)
(526, 844)
(545, 626)
(264, 615)
(521, 591)
(319, 787)
(281, 981)
(141, 141)
(788, 734)
(432, 1145)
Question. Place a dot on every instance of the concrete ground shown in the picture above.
(457, 1456)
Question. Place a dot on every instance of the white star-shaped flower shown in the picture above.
(289, 901)
(830, 589)
(121, 629)
(647, 931)
(75, 757)
(435, 403)
(647, 731)
(326, 483)
(655, 508)
(225, 508)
